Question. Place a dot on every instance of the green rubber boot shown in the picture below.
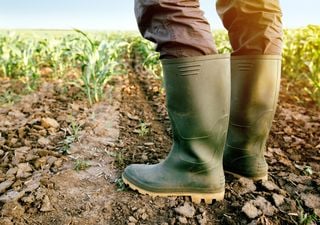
(198, 102)
(255, 82)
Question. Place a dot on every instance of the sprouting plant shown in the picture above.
(8, 98)
(144, 129)
(72, 135)
(120, 184)
(81, 165)
(306, 218)
(118, 155)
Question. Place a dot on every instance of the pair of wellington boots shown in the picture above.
(202, 94)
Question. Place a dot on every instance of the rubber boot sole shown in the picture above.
(195, 197)
(257, 178)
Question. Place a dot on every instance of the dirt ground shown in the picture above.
(61, 160)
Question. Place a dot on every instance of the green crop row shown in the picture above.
(300, 58)
(98, 56)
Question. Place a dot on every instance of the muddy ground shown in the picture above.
(61, 160)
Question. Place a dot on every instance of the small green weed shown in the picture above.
(81, 165)
(8, 98)
(144, 129)
(120, 184)
(72, 135)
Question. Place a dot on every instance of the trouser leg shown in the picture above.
(255, 33)
(178, 27)
(254, 27)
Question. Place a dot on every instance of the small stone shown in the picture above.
(186, 210)
(182, 220)
(132, 219)
(269, 185)
(278, 199)
(250, 210)
(1, 152)
(148, 144)
(46, 205)
(43, 141)
(144, 216)
(11, 196)
(144, 157)
(49, 122)
(5, 185)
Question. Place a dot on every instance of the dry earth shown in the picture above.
(41, 185)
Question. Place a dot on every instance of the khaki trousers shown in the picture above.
(179, 27)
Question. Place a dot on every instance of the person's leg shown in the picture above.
(177, 27)
(254, 27)
(255, 33)
(197, 84)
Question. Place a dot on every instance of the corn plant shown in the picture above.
(99, 61)
(301, 58)
(30, 67)
(10, 55)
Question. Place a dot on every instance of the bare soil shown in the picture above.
(41, 185)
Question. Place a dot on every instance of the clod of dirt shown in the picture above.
(132, 219)
(187, 210)
(182, 220)
(19, 154)
(46, 205)
(11, 173)
(5, 185)
(31, 185)
(310, 200)
(28, 199)
(12, 210)
(24, 170)
(11, 196)
(278, 199)
(42, 141)
(259, 206)
(264, 206)
(49, 122)
(202, 219)
(6, 221)
(269, 185)
(250, 210)
(40, 163)
(244, 186)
